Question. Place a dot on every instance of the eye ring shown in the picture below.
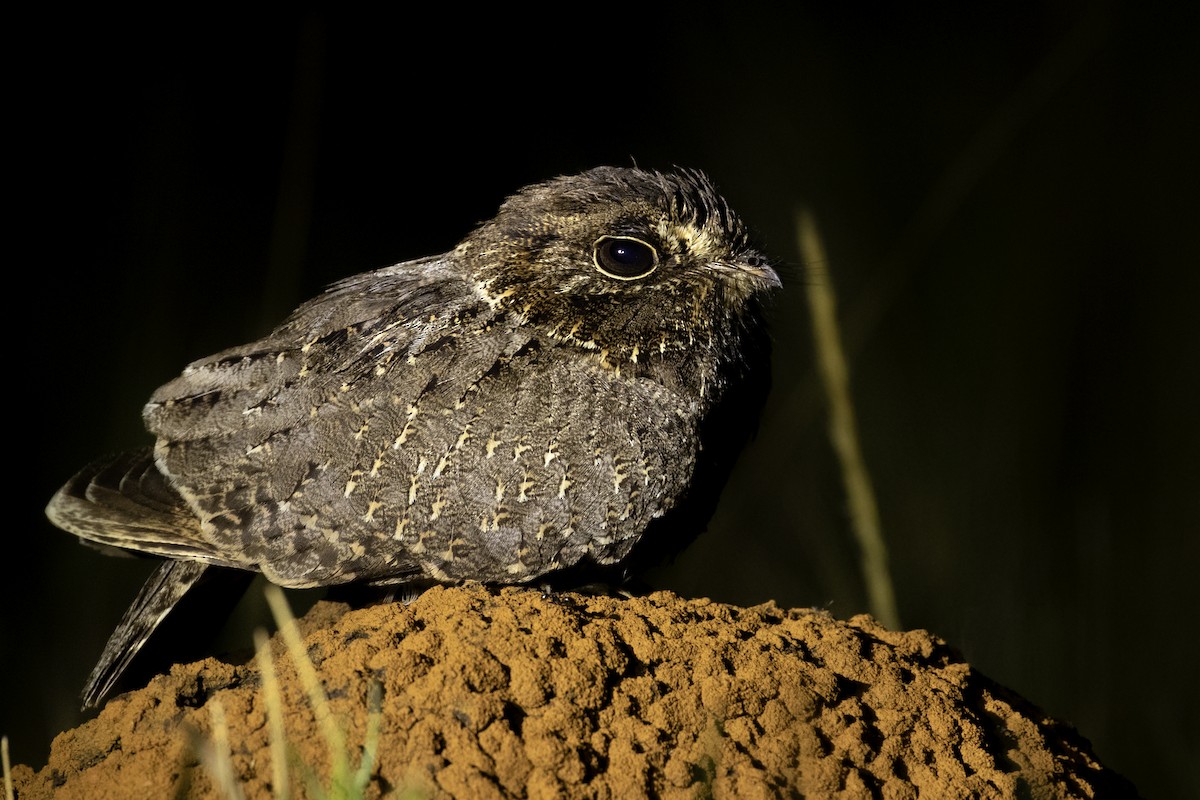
(625, 258)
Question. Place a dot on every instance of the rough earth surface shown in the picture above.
(511, 693)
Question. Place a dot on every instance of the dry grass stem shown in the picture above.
(305, 669)
(346, 781)
(8, 787)
(215, 754)
(274, 704)
(843, 430)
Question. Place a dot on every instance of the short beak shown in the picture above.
(760, 274)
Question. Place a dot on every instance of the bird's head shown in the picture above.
(633, 263)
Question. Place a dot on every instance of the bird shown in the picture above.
(562, 391)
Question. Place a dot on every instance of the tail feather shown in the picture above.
(131, 478)
(125, 502)
(165, 587)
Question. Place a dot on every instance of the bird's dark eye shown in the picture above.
(624, 258)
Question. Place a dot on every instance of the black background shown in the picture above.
(1008, 201)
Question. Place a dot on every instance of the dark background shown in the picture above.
(1008, 201)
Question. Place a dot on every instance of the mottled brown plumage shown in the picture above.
(531, 402)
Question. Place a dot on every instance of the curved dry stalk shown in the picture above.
(8, 786)
(843, 430)
(274, 705)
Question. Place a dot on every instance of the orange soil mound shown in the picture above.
(510, 693)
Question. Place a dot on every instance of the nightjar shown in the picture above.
(562, 391)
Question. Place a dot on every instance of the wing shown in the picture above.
(266, 443)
